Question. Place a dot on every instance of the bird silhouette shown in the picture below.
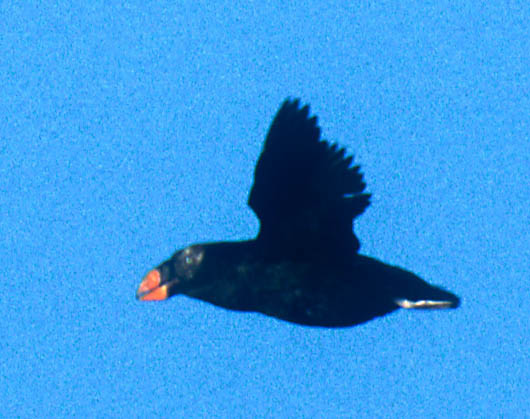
(304, 265)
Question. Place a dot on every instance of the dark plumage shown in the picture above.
(304, 265)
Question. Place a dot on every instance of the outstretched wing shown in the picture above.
(306, 192)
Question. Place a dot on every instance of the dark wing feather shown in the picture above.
(306, 193)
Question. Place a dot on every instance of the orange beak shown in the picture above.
(150, 289)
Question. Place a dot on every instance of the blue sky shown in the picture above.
(131, 129)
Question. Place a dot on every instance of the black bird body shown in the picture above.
(304, 266)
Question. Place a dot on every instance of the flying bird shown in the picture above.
(304, 266)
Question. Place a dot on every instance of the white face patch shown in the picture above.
(193, 255)
(423, 304)
(187, 261)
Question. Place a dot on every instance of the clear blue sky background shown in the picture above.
(130, 129)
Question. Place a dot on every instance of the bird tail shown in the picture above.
(406, 289)
(417, 294)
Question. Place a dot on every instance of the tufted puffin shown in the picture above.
(304, 266)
